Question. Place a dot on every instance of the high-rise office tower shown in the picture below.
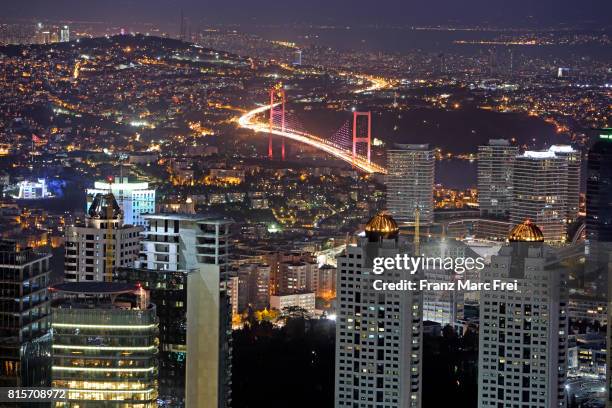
(134, 199)
(24, 312)
(186, 256)
(100, 244)
(523, 333)
(574, 162)
(599, 192)
(495, 169)
(540, 192)
(65, 34)
(599, 228)
(378, 333)
(410, 182)
(104, 344)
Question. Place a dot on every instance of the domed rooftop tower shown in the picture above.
(527, 231)
(381, 226)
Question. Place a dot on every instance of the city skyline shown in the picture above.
(239, 205)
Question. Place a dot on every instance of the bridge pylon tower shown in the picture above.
(277, 92)
(360, 138)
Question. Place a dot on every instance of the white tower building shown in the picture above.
(495, 170)
(410, 182)
(523, 333)
(199, 245)
(540, 193)
(378, 333)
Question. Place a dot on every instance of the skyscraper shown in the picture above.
(523, 333)
(574, 161)
(378, 333)
(194, 249)
(599, 191)
(410, 182)
(599, 228)
(104, 344)
(24, 312)
(540, 192)
(65, 34)
(101, 243)
(495, 169)
(134, 199)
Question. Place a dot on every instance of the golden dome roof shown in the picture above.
(526, 232)
(381, 226)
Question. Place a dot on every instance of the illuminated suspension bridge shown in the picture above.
(351, 144)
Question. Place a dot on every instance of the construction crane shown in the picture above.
(417, 231)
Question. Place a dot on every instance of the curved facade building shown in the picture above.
(105, 344)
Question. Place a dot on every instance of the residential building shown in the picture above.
(540, 193)
(198, 247)
(495, 170)
(378, 333)
(304, 301)
(523, 333)
(101, 243)
(410, 183)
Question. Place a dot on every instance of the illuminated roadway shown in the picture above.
(249, 121)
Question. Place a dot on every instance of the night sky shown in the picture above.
(522, 13)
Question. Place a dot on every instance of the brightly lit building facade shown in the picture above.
(542, 184)
(135, 199)
(378, 333)
(197, 246)
(104, 345)
(524, 332)
(33, 190)
(495, 169)
(410, 182)
(100, 243)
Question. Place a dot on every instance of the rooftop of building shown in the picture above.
(108, 288)
(527, 231)
(552, 152)
(188, 217)
(99, 295)
(382, 225)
